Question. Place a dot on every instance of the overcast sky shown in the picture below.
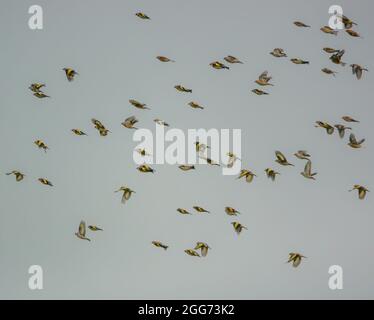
(114, 53)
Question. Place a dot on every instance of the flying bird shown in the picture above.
(263, 79)
(145, 168)
(357, 70)
(45, 182)
(341, 129)
(186, 167)
(81, 234)
(138, 105)
(78, 132)
(348, 23)
(182, 89)
(337, 58)
(161, 122)
(247, 174)
(259, 92)
(192, 253)
(127, 192)
(35, 87)
(203, 247)
(164, 59)
(307, 173)
(281, 159)
(218, 65)
(361, 191)
(353, 33)
(271, 173)
(130, 122)
(19, 176)
(295, 258)
(299, 61)
(95, 228)
(238, 227)
(231, 211)
(200, 209)
(159, 244)
(329, 71)
(354, 143)
(278, 52)
(41, 145)
(40, 95)
(330, 50)
(349, 119)
(142, 152)
(232, 59)
(183, 211)
(70, 73)
(302, 155)
(142, 15)
(329, 128)
(328, 30)
(195, 105)
(301, 24)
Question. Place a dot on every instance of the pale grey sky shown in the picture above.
(114, 53)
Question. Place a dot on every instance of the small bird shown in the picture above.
(341, 129)
(200, 209)
(357, 69)
(328, 30)
(191, 252)
(127, 192)
(232, 59)
(164, 59)
(330, 50)
(200, 147)
(271, 173)
(203, 248)
(231, 211)
(354, 143)
(348, 23)
(307, 173)
(145, 168)
(159, 244)
(218, 65)
(278, 52)
(361, 191)
(78, 132)
(302, 155)
(182, 89)
(353, 33)
(161, 122)
(130, 122)
(138, 105)
(40, 95)
(70, 73)
(35, 87)
(186, 167)
(19, 176)
(247, 174)
(142, 16)
(329, 71)
(45, 182)
(210, 161)
(295, 258)
(195, 105)
(238, 227)
(259, 92)
(301, 24)
(41, 145)
(94, 228)
(81, 234)
(263, 79)
(299, 61)
(183, 211)
(103, 132)
(349, 119)
(325, 125)
(281, 159)
(142, 152)
(337, 58)
(232, 159)
(98, 125)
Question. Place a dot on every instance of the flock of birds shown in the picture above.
(202, 149)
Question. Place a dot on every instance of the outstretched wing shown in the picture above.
(308, 168)
(352, 139)
(280, 156)
(82, 229)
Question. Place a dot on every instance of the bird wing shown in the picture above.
(263, 76)
(204, 251)
(308, 168)
(82, 229)
(280, 156)
(358, 73)
(361, 193)
(296, 261)
(352, 139)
